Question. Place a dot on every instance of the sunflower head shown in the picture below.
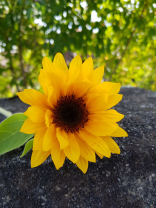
(72, 118)
(70, 113)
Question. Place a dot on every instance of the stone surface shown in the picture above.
(127, 180)
(13, 105)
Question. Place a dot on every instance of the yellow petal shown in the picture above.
(49, 138)
(119, 132)
(114, 148)
(74, 69)
(111, 115)
(96, 102)
(106, 87)
(98, 74)
(47, 64)
(73, 150)
(30, 127)
(87, 68)
(38, 140)
(81, 88)
(33, 97)
(115, 87)
(43, 84)
(60, 63)
(48, 118)
(36, 114)
(63, 77)
(96, 143)
(45, 80)
(38, 157)
(100, 155)
(82, 164)
(95, 116)
(57, 155)
(100, 89)
(74, 72)
(62, 138)
(85, 150)
(113, 100)
(52, 68)
(100, 127)
(52, 96)
(50, 78)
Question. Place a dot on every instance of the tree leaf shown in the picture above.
(27, 147)
(10, 135)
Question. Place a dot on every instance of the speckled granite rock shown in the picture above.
(127, 180)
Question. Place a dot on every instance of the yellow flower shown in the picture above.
(72, 118)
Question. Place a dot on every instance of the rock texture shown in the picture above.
(127, 180)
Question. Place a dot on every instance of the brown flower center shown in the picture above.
(70, 113)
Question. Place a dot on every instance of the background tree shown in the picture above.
(118, 33)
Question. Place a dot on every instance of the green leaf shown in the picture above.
(27, 147)
(10, 135)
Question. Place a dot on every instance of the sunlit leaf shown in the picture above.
(10, 135)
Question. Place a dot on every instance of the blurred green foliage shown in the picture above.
(118, 33)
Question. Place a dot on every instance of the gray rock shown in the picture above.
(127, 180)
(13, 105)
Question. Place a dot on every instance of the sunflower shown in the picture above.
(72, 118)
